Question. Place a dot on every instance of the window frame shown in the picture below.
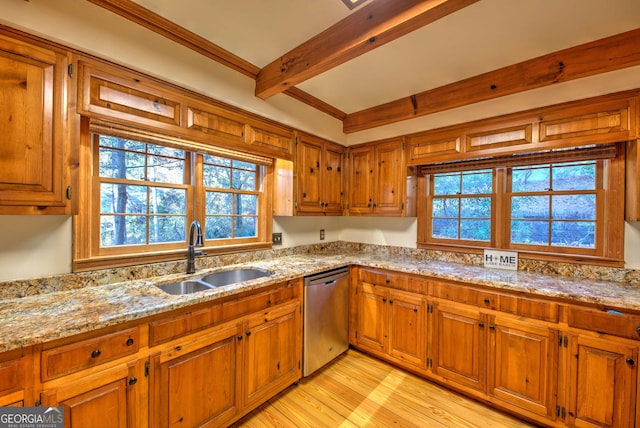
(609, 225)
(88, 253)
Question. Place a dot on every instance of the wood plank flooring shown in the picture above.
(356, 390)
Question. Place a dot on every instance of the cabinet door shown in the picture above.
(333, 179)
(389, 181)
(111, 398)
(602, 382)
(459, 346)
(407, 328)
(272, 349)
(196, 383)
(523, 361)
(361, 180)
(32, 114)
(371, 317)
(309, 172)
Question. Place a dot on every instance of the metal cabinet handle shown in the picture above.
(638, 330)
(129, 342)
(240, 337)
(391, 302)
(487, 301)
(133, 381)
(631, 362)
(384, 299)
(96, 353)
(481, 324)
(248, 333)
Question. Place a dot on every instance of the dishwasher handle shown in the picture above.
(325, 279)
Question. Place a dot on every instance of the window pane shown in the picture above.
(121, 143)
(216, 160)
(219, 203)
(530, 179)
(573, 234)
(166, 170)
(530, 207)
(574, 207)
(244, 180)
(477, 182)
(119, 164)
(122, 198)
(575, 176)
(443, 228)
(445, 207)
(246, 204)
(215, 176)
(167, 201)
(218, 227)
(446, 184)
(122, 230)
(244, 165)
(530, 232)
(475, 230)
(167, 229)
(165, 151)
(475, 207)
(245, 227)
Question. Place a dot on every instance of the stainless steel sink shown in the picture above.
(185, 287)
(213, 280)
(219, 279)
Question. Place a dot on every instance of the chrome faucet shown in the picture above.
(195, 240)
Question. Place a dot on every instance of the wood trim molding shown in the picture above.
(600, 56)
(370, 27)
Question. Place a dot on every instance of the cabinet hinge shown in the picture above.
(402, 208)
(69, 192)
(403, 146)
(566, 341)
(296, 141)
(146, 369)
(430, 308)
(560, 345)
(429, 362)
(70, 70)
(295, 204)
(564, 413)
(38, 403)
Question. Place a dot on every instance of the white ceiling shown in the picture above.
(482, 37)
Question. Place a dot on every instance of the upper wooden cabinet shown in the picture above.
(378, 179)
(608, 119)
(114, 94)
(319, 172)
(35, 155)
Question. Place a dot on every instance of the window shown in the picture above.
(144, 190)
(562, 204)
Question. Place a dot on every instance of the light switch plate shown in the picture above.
(322, 234)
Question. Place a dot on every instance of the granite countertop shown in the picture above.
(41, 318)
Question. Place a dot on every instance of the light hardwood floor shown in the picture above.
(356, 390)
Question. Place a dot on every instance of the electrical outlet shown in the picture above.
(322, 234)
(276, 238)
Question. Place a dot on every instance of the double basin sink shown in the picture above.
(213, 280)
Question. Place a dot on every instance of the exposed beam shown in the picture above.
(372, 26)
(600, 56)
(160, 25)
(172, 31)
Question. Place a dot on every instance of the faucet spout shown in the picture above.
(195, 240)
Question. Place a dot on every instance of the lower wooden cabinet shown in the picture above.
(392, 323)
(195, 381)
(602, 382)
(111, 398)
(15, 371)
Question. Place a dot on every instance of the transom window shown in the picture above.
(556, 203)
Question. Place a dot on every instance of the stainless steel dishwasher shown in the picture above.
(326, 318)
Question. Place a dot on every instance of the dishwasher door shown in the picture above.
(326, 318)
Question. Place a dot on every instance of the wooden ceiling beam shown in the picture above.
(374, 25)
(600, 56)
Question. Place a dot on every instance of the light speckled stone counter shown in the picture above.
(53, 315)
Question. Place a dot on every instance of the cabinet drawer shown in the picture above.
(532, 308)
(463, 294)
(245, 305)
(11, 376)
(611, 322)
(170, 328)
(88, 353)
(381, 277)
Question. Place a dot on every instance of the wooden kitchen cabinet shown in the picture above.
(319, 171)
(35, 175)
(391, 323)
(113, 397)
(377, 179)
(272, 353)
(196, 380)
(602, 382)
(15, 373)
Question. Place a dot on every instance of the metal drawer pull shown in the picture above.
(129, 342)
(631, 362)
(96, 353)
(133, 381)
